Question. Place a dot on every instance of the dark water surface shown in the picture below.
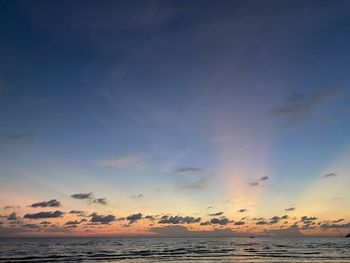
(174, 249)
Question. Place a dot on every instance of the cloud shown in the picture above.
(41, 215)
(182, 231)
(77, 212)
(300, 104)
(13, 216)
(217, 214)
(290, 209)
(31, 226)
(220, 221)
(74, 222)
(7, 207)
(308, 221)
(134, 218)
(100, 201)
(119, 161)
(82, 196)
(324, 95)
(239, 223)
(189, 170)
(264, 178)
(329, 175)
(95, 218)
(178, 220)
(198, 184)
(14, 137)
(90, 198)
(243, 210)
(137, 196)
(328, 226)
(258, 181)
(292, 231)
(276, 219)
(50, 203)
(261, 222)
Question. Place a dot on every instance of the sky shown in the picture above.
(174, 118)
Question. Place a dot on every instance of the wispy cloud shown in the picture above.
(137, 196)
(258, 181)
(120, 161)
(329, 175)
(178, 220)
(100, 201)
(290, 209)
(299, 104)
(82, 196)
(199, 183)
(14, 137)
(189, 170)
(90, 198)
(216, 214)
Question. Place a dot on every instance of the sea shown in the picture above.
(110, 249)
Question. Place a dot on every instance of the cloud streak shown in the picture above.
(50, 203)
(42, 215)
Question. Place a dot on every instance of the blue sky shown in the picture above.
(187, 103)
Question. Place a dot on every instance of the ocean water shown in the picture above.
(174, 249)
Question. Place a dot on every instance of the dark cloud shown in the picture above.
(328, 226)
(50, 203)
(239, 223)
(13, 216)
(95, 218)
(290, 209)
(13, 137)
(77, 212)
(74, 222)
(178, 220)
(308, 218)
(150, 217)
(189, 170)
(182, 231)
(41, 215)
(31, 226)
(206, 223)
(82, 196)
(264, 178)
(217, 214)
(261, 222)
(276, 219)
(220, 221)
(134, 218)
(258, 181)
(329, 175)
(100, 201)
(243, 210)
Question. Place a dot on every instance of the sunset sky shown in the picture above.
(174, 118)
